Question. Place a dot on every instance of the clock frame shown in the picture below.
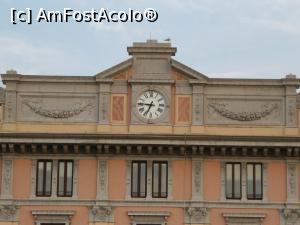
(137, 91)
(151, 105)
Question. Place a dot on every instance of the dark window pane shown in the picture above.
(160, 179)
(44, 179)
(134, 179)
(69, 178)
(65, 178)
(138, 179)
(229, 188)
(155, 179)
(254, 181)
(40, 178)
(233, 180)
(48, 178)
(164, 179)
(143, 179)
(258, 181)
(61, 178)
(237, 181)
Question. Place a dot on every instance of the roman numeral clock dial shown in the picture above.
(151, 105)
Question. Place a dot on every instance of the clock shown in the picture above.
(151, 105)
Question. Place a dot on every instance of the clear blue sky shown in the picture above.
(232, 38)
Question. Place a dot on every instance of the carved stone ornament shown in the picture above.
(6, 191)
(78, 108)
(196, 214)
(223, 110)
(101, 213)
(292, 179)
(292, 216)
(7, 211)
(244, 218)
(197, 179)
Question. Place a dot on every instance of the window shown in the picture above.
(65, 178)
(254, 181)
(233, 180)
(138, 179)
(44, 178)
(159, 179)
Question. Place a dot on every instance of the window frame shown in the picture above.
(65, 194)
(232, 184)
(254, 181)
(44, 161)
(159, 179)
(139, 162)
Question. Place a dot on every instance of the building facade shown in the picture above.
(149, 141)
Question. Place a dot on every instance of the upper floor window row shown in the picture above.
(159, 179)
(64, 177)
(254, 179)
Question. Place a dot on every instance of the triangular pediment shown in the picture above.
(123, 71)
(115, 71)
(187, 72)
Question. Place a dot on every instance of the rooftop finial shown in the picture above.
(290, 76)
(11, 71)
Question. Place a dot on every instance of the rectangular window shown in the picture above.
(44, 178)
(139, 179)
(160, 179)
(65, 178)
(233, 180)
(254, 181)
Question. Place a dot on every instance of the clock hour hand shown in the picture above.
(150, 105)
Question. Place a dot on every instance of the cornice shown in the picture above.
(165, 145)
(46, 78)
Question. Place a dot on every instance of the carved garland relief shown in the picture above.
(78, 108)
(223, 109)
(229, 110)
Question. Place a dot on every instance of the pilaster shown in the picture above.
(7, 178)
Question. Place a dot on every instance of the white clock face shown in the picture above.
(151, 105)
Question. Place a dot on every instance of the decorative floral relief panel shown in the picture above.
(57, 108)
(244, 111)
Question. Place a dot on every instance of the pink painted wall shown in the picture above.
(80, 215)
(121, 216)
(116, 179)
(276, 173)
(182, 179)
(211, 180)
(87, 179)
(21, 178)
(272, 215)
